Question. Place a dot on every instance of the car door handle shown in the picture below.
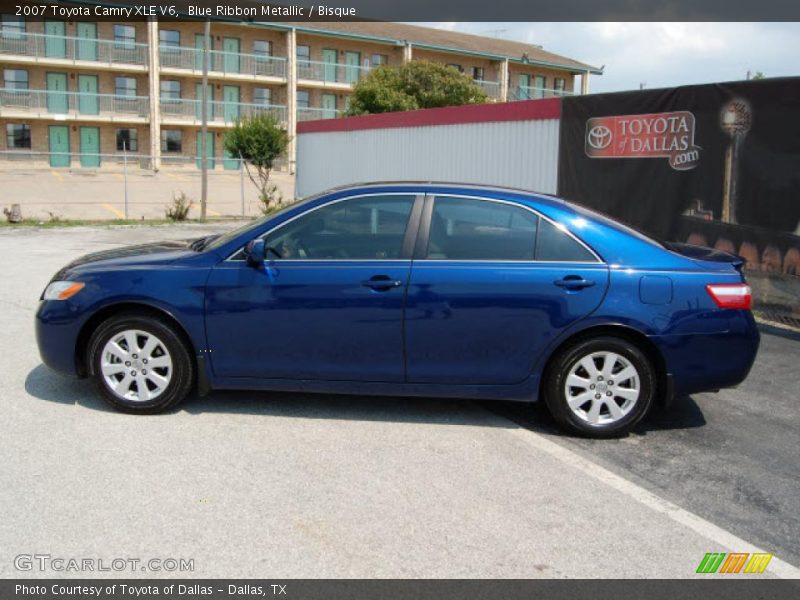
(381, 283)
(573, 282)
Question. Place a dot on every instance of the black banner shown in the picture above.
(715, 165)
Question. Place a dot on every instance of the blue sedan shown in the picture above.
(410, 289)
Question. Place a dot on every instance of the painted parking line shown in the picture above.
(113, 210)
(175, 177)
(683, 517)
(57, 175)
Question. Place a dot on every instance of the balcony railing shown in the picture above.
(218, 112)
(41, 46)
(73, 103)
(312, 114)
(329, 72)
(523, 92)
(490, 88)
(175, 57)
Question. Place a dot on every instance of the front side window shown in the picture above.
(124, 36)
(554, 244)
(15, 79)
(367, 228)
(171, 140)
(18, 136)
(170, 89)
(262, 48)
(473, 229)
(125, 86)
(262, 96)
(169, 38)
(127, 139)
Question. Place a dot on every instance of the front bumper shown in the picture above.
(58, 327)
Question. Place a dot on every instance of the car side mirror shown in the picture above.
(256, 251)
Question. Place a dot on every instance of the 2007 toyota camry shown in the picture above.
(410, 289)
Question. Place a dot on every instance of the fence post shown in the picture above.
(125, 173)
(241, 181)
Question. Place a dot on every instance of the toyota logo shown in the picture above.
(599, 137)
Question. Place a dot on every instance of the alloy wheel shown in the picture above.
(602, 388)
(136, 365)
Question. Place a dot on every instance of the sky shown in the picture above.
(659, 54)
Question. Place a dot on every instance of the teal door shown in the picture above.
(58, 141)
(198, 57)
(57, 99)
(198, 88)
(353, 61)
(87, 41)
(88, 100)
(538, 86)
(329, 64)
(328, 106)
(55, 42)
(230, 98)
(210, 143)
(524, 87)
(90, 147)
(229, 162)
(230, 49)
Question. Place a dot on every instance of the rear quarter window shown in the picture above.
(556, 245)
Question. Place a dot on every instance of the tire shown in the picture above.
(583, 396)
(160, 361)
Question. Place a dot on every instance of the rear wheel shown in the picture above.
(600, 387)
(140, 364)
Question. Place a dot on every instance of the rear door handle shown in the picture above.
(381, 283)
(573, 282)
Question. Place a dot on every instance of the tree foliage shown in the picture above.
(414, 85)
(259, 141)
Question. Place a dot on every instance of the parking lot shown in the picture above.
(293, 485)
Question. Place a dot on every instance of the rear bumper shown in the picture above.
(700, 362)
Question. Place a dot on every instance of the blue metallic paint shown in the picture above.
(452, 329)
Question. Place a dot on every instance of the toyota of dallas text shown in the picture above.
(439, 290)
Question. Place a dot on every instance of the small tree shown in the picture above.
(414, 85)
(259, 141)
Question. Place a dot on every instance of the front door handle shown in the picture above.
(573, 282)
(381, 283)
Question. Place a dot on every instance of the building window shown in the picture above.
(12, 26)
(263, 96)
(379, 59)
(125, 86)
(477, 73)
(539, 83)
(262, 48)
(456, 66)
(169, 37)
(127, 139)
(15, 79)
(170, 89)
(559, 84)
(302, 99)
(171, 140)
(124, 36)
(18, 136)
(303, 54)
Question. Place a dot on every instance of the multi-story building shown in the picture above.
(82, 94)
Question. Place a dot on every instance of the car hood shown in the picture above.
(142, 254)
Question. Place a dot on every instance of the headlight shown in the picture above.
(61, 290)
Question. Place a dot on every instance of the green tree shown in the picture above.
(759, 75)
(414, 85)
(259, 141)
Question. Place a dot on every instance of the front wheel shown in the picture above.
(600, 387)
(140, 364)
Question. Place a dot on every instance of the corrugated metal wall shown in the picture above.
(521, 154)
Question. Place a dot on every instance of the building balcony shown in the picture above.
(220, 114)
(312, 114)
(23, 47)
(60, 106)
(328, 74)
(230, 65)
(523, 92)
(490, 88)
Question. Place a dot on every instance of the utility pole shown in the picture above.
(204, 123)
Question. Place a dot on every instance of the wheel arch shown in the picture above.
(634, 336)
(111, 310)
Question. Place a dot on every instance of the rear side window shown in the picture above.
(473, 229)
(555, 245)
(370, 227)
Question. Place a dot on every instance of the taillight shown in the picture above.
(731, 295)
